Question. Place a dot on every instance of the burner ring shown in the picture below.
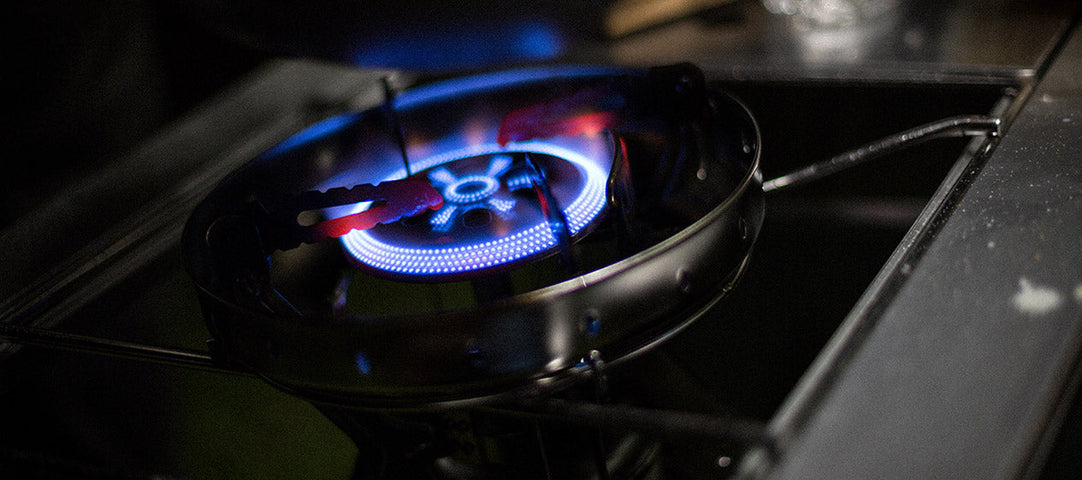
(436, 258)
(473, 188)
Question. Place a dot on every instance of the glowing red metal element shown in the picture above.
(581, 113)
(401, 198)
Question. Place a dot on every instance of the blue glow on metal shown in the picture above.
(593, 326)
(363, 365)
(320, 130)
(467, 257)
(497, 80)
(537, 40)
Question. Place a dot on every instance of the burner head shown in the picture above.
(539, 217)
(491, 218)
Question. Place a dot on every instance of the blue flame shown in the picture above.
(363, 365)
(473, 255)
(316, 132)
(497, 80)
(465, 47)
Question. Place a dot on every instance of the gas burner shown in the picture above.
(527, 225)
(491, 217)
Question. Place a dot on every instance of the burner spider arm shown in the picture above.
(177, 357)
(965, 125)
(553, 212)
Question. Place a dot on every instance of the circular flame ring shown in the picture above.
(519, 245)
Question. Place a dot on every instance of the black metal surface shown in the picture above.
(666, 424)
(955, 126)
(175, 357)
(103, 228)
(962, 372)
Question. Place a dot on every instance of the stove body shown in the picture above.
(917, 315)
